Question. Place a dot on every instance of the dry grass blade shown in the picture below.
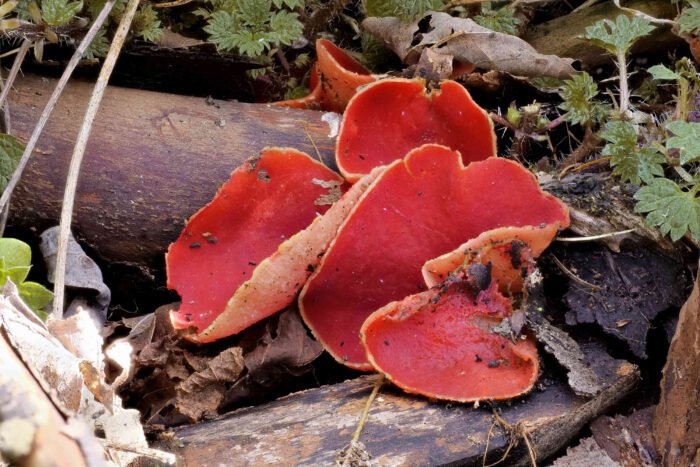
(77, 55)
(79, 151)
(14, 70)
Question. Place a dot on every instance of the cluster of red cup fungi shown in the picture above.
(379, 259)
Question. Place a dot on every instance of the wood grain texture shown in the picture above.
(310, 427)
(152, 161)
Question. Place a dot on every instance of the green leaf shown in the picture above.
(501, 20)
(670, 208)
(10, 153)
(404, 9)
(286, 26)
(254, 12)
(15, 253)
(57, 12)
(251, 43)
(99, 46)
(629, 163)
(617, 37)
(291, 4)
(578, 95)
(690, 19)
(147, 24)
(222, 27)
(95, 6)
(686, 139)
(36, 296)
(17, 274)
(661, 72)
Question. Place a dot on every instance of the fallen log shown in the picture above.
(152, 161)
(311, 427)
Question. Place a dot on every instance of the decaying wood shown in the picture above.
(31, 429)
(677, 417)
(310, 427)
(560, 36)
(152, 161)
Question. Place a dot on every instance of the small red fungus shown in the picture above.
(417, 209)
(437, 343)
(267, 200)
(334, 80)
(276, 280)
(387, 119)
(502, 247)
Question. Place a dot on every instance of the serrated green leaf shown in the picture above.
(404, 9)
(36, 296)
(627, 162)
(146, 24)
(617, 37)
(578, 94)
(500, 20)
(57, 12)
(690, 19)
(289, 3)
(254, 12)
(222, 27)
(670, 208)
(99, 46)
(286, 26)
(661, 72)
(686, 139)
(15, 253)
(11, 152)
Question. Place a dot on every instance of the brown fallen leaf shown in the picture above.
(466, 41)
(201, 393)
(432, 66)
(284, 352)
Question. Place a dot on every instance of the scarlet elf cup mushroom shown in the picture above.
(418, 208)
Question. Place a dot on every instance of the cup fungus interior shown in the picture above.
(419, 208)
(387, 119)
(267, 200)
(437, 343)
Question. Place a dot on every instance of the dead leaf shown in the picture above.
(468, 42)
(94, 380)
(432, 66)
(284, 352)
(81, 273)
(200, 395)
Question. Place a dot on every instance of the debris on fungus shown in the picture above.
(437, 343)
(417, 209)
(266, 201)
(334, 80)
(388, 118)
(502, 248)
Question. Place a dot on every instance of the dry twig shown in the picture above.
(79, 151)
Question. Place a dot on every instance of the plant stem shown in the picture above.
(77, 55)
(79, 151)
(19, 58)
(624, 87)
(683, 91)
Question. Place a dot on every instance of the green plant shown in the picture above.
(404, 9)
(10, 154)
(616, 38)
(499, 20)
(669, 202)
(15, 263)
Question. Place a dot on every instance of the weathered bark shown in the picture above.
(152, 161)
(560, 36)
(677, 417)
(310, 427)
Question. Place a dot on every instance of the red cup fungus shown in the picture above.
(334, 80)
(387, 119)
(265, 202)
(417, 208)
(502, 248)
(437, 343)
